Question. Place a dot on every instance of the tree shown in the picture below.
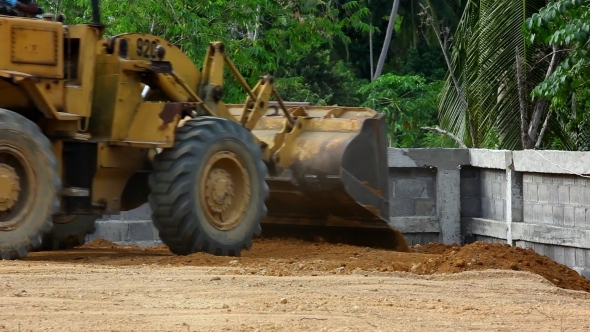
(409, 102)
(491, 67)
(385, 48)
(564, 25)
(261, 36)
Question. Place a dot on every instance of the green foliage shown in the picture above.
(484, 63)
(320, 81)
(409, 103)
(260, 35)
(426, 61)
(318, 51)
(564, 23)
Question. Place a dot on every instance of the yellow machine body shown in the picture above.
(108, 105)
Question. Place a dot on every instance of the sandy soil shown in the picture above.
(291, 285)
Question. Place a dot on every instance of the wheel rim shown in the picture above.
(16, 189)
(225, 190)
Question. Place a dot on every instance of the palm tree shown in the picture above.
(492, 71)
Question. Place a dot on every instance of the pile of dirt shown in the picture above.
(432, 248)
(99, 243)
(484, 256)
(296, 257)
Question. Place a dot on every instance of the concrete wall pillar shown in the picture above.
(514, 201)
(448, 205)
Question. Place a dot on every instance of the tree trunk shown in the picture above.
(371, 50)
(387, 40)
(522, 100)
(541, 103)
(543, 129)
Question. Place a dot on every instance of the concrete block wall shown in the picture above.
(413, 192)
(493, 194)
(128, 227)
(557, 199)
(471, 192)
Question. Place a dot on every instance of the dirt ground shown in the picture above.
(293, 285)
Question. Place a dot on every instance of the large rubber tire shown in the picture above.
(70, 234)
(176, 193)
(24, 148)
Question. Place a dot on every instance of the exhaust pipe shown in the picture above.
(95, 12)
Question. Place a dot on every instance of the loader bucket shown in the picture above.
(332, 176)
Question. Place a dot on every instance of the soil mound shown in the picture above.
(432, 248)
(296, 257)
(484, 256)
(99, 243)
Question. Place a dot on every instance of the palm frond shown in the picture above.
(484, 61)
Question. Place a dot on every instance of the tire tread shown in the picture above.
(170, 184)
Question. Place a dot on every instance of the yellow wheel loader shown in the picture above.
(93, 126)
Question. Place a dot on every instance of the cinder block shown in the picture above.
(537, 213)
(553, 195)
(539, 248)
(563, 193)
(113, 231)
(416, 188)
(527, 211)
(527, 178)
(486, 208)
(587, 256)
(558, 216)
(530, 192)
(469, 173)
(424, 207)
(537, 178)
(402, 207)
(569, 216)
(575, 192)
(496, 190)
(423, 173)
(559, 254)
(586, 196)
(549, 251)
(471, 207)
(569, 256)
(141, 213)
(470, 188)
(499, 211)
(567, 179)
(486, 187)
(543, 193)
(400, 173)
(584, 182)
(141, 231)
(430, 185)
(580, 217)
(581, 257)
(547, 214)
(547, 179)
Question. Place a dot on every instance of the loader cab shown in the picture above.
(46, 49)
